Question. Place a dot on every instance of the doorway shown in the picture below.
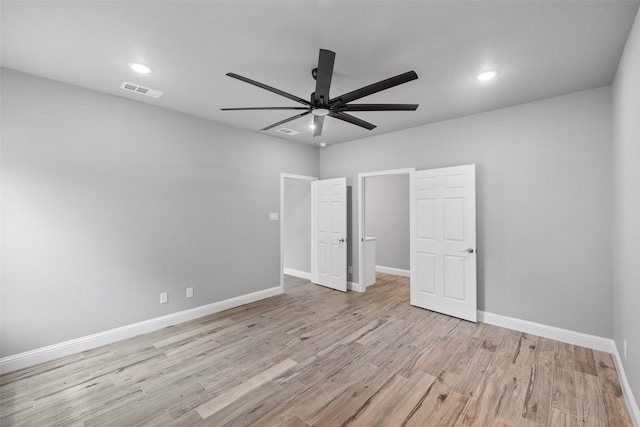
(368, 243)
(295, 226)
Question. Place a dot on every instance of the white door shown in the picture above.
(443, 241)
(329, 233)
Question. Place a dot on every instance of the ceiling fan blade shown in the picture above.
(269, 88)
(318, 122)
(265, 108)
(373, 88)
(326, 59)
(378, 107)
(351, 119)
(287, 120)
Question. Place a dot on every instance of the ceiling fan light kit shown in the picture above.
(321, 105)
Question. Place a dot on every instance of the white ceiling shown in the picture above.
(541, 49)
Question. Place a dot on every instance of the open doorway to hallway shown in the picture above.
(383, 222)
(295, 230)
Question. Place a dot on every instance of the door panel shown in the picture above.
(329, 222)
(426, 273)
(443, 241)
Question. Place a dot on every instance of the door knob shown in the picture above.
(470, 250)
(341, 240)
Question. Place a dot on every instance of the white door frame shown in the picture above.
(362, 216)
(284, 176)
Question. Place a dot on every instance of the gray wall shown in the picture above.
(387, 218)
(297, 224)
(107, 202)
(626, 207)
(543, 201)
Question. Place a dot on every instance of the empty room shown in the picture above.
(329, 213)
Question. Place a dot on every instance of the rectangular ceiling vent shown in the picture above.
(141, 90)
(287, 131)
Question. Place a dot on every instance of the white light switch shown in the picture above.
(273, 216)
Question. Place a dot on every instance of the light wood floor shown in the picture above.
(314, 356)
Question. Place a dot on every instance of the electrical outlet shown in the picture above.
(164, 298)
(189, 292)
(626, 350)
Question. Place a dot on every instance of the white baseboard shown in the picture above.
(45, 354)
(297, 273)
(391, 270)
(632, 404)
(558, 334)
(353, 286)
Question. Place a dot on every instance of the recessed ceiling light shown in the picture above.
(312, 126)
(487, 75)
(323, 144)
(139, 68)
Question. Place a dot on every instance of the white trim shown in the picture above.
(392, 270)
(632, 405)
(361, 210)
(353, 286)
(571, 337)
(284, 176)
(45, 354)
(297, 273)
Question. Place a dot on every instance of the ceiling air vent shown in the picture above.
(287, 131)
(141, 90)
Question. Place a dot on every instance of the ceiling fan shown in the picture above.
(320, 105)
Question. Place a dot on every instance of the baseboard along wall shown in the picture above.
(48, 353)
(55, 351)
(392, 270)
(297, 273)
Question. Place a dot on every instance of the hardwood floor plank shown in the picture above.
(481, 408)
(607, 375)
(394, 401)
(564, 356)
(248, 402)
(562, 419)
(526, 350)
(510, 404)
(506, 351)
(590, 403)
(411, 365)
(460, 360)
(538, 398)
(450, 411)
(77, 409)
(563, 390)
(214, 405)
(616, 409)
(313, 400)
(323, 367)
(264, 411)
(473, 373)
(439, 356)
(340, 410)
(585, 362)
(143, 408)
(431, 400)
